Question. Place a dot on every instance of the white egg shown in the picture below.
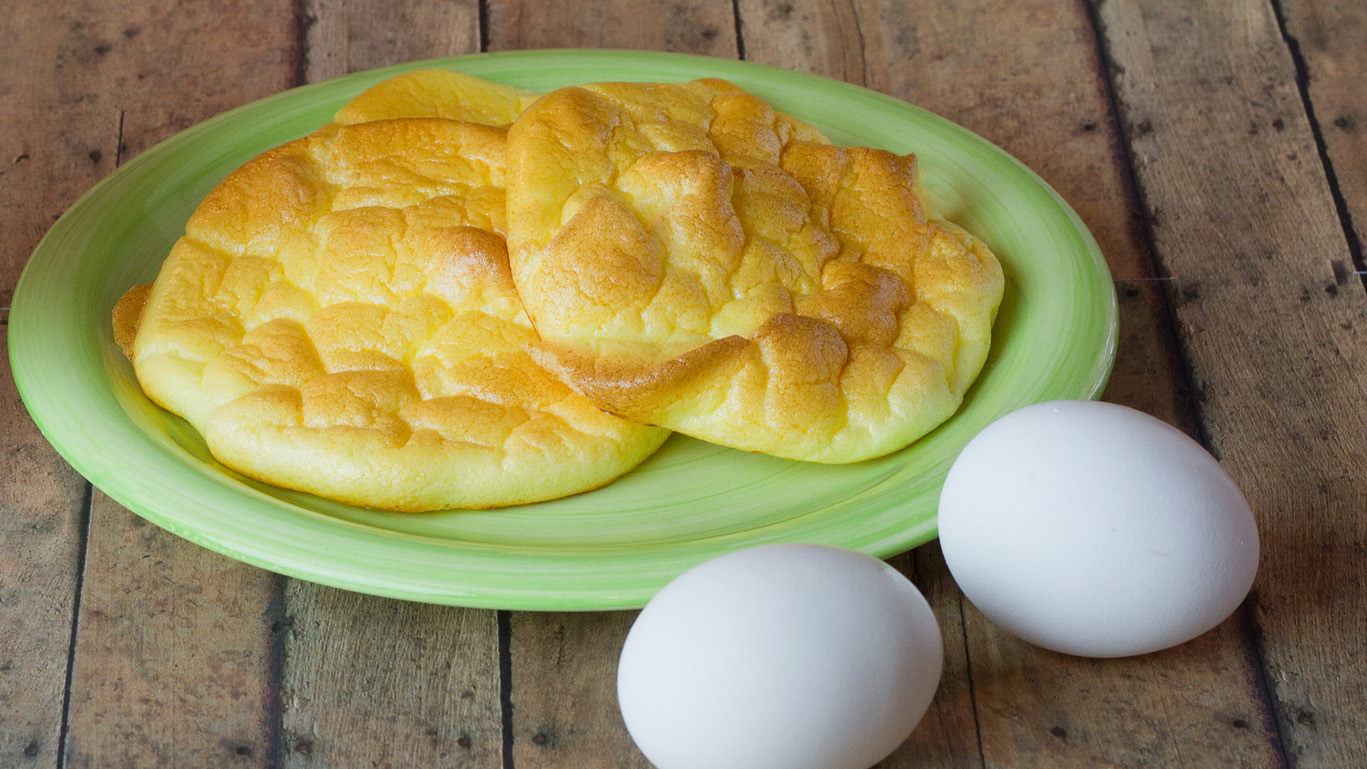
(780, 657)
(1097, 530)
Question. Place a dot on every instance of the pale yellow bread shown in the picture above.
(340, 318)
(437, 93)
(693, 260)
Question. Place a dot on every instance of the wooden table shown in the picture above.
(1217, 151)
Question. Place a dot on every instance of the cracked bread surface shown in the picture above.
(340, 318)
(692, 259)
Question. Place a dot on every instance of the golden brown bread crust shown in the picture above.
(437, 93)
(128, 315)
(340, 318)
(694, 260)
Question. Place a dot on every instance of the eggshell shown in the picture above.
(1094, 529)
(780, 657)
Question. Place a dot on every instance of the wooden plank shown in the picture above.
(51, 150)
(61, 131)
(1326, 37)
(1243, 218)
(996, 68)
(377, 682)
(175, 655)
(347, 37)
(165, 72)
(42, 502)
(685, 26)
(564, 691)
(371, 681)
(564, 666)
(176, 652)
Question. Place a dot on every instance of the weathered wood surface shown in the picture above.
(343, 36)
(564, 690)
(1325, 40)
(373, 681)
(85, 83)
(1244, 219)
(51, 150)
(174, 661)
(42, 503)
(1181, 134)
(685, 26)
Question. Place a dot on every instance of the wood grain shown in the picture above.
(997, 69)
(51, 150)
(173, 660)
(1327, 36)
(41, 522)
(377, 682)
(84, 68)
(168, 71)
(1244, 220)
(370, 681)
(684, 26)
(42, 503)
(564, 691)
(344, 36)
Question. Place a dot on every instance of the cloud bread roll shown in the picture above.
(340, 318)
(694, 260)
(437, 93)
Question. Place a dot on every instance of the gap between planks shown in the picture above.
(84, 527)
(1293, 47)
(505, 683)
(740, 37)
(972, 687)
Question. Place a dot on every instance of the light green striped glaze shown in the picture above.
(613, 548)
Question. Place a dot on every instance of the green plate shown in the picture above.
(612, 548)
